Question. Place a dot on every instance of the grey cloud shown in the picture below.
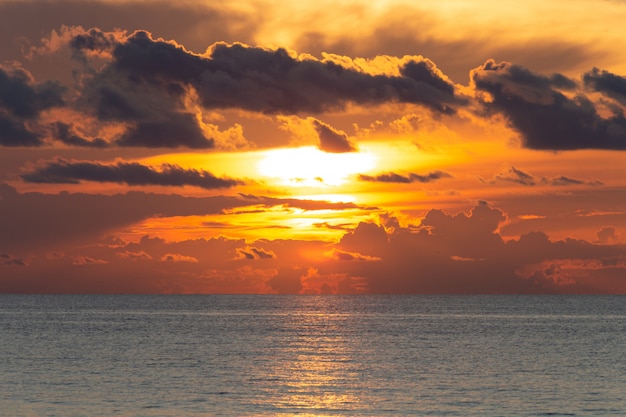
(332, 140)
(65, 133)
(273, 81)
(545, 117)
(15, 133)
(518, 176)
(179, 130)
(21, 102)
(392, 177)
(131, 173)
(22, 98)
(252, 253)
(612, 85)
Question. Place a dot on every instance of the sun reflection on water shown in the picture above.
(314, 373)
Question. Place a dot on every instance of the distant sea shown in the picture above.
(263, 355)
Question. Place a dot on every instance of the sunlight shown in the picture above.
(308, 166)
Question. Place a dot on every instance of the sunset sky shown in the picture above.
(339, 146)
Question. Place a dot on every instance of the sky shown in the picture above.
(328, 147)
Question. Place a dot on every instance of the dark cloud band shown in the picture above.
(131, 173)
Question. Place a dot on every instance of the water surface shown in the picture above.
(82, 355)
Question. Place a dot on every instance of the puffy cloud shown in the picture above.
(608, 234)
(131, 173)
(22, 98)
(393, 177)
(21, 102)
(287, 280)
(449, 253)
(270, 81)
(547, 111)
(606, 82)
(176, 131)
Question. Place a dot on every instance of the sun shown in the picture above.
(308, 166)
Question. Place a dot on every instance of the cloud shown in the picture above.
(86, 260)
(547, 111)
(448, 253)
(7, 259)
(177, 257)
(179, 130)
(192, 23)
(65, 133)
(392, 177)
(331, 139)
(518, 176)
(340, 255)
(21, 102)
(287, 280)
(62, 171)
(269, 81)
(608, 234)
(252, 253)
(34, 220)
(135, 256)
(606, 82)
(22, 98)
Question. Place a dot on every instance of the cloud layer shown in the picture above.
(131, 173)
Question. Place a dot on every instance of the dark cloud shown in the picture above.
(65, 133)
(606, 82)
(273, 81)
(131, 173)
(392, 177)
(179, 130)
(546, 118)
(22, 98)
(331, 139)
(21, 102)
(518, 176)
(14, 132)
(252, 253)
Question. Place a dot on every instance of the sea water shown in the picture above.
(253, 355)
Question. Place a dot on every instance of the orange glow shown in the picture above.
(308, 166)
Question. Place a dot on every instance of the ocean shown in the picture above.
(265, 355)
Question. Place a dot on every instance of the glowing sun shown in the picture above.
(308, 166)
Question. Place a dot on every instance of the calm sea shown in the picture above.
(80, 355)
